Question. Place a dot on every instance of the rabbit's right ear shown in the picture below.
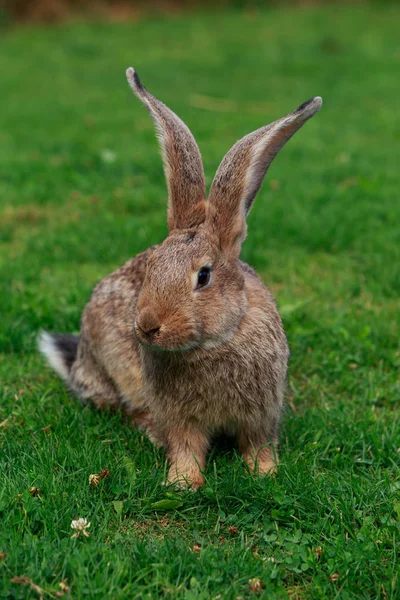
(183, 166)
(241, 173)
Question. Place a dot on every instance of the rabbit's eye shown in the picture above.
(203, 277)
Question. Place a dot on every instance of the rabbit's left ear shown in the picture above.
(183, 166)
(241, 173)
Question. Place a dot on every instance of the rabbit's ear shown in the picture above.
(241, 173)
(183, 166)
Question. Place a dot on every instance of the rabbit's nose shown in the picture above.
(148, 324)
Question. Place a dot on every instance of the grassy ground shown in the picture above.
(82, 190)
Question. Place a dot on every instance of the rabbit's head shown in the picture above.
(194, 293)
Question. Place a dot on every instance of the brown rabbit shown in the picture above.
(186, 337)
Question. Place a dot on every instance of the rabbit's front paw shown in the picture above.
(262, 459)
(192, 479)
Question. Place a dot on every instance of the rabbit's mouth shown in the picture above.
(171, 349)
(164, 338)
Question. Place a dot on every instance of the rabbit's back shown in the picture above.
(111, 309)
(108, 354)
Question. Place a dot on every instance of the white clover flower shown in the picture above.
(80, 526)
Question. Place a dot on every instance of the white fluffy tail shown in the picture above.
(60, 351)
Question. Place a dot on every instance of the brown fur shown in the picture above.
(186, 362)
(242, 171)
(182, 161)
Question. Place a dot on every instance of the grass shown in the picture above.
(82, 190)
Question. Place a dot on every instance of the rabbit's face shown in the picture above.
(192, 296)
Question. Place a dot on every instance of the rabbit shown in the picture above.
(185, 337)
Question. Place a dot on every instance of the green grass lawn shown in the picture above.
(82, 190)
